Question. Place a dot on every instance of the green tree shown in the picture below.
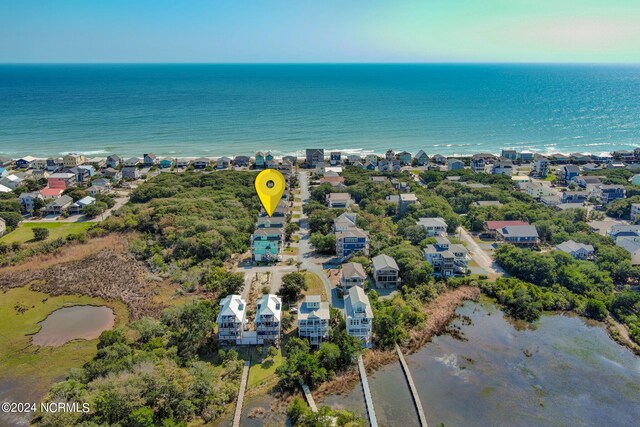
(324, 243)
(292, 286)
(40, 233)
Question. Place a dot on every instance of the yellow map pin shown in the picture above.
(270, 185)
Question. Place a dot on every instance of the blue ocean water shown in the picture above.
(191, 109)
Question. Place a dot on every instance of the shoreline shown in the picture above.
(440, 312)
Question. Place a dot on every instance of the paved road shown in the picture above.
(306, 255)
(484, 261)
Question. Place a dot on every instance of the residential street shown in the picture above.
(478, 255)
(310, 261)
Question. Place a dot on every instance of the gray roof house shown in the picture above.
(385, 270)
(576, 250)
(352, 274)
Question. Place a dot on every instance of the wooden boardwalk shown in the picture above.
(309, 397)
(412, 388)
(373, 421)
(243, 388)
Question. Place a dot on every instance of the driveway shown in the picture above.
(493, 270)
(306, 255)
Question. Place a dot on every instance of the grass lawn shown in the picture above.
(291, 251)
(263, 369)
(297, 215)
(32, 369)
(24, 233)
(316, 286)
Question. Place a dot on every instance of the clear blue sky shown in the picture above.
(320, 31)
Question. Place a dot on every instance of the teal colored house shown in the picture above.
(265, 244)
(260, 161)
(165, 163)
(268, 157)
(405, 157)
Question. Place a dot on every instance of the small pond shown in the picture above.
(76, 322)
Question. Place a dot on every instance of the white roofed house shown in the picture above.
(11, 181)
(359, 315)
(385, 270)
(3, 227)
(406, 200)
(313, 319)
(78, 206)
(577, 250)
(344, 221)
(352, 274)
(231, 319)
(268, 317)
(433, 226)
(223, 162)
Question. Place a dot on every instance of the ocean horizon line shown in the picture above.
(456, 63)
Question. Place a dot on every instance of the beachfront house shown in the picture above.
(421, 158)
(201, 163)
(433, 226)
(77, 207)
(352, 274)
(389, 155)
(608, 193)
(359, 315)
(345, 221)
(405, 157)
(503, 166)
(313, 319)
(58, 206)
(25, 162)
(351, 241)
(268, 317)
(386, 273)
(293, 160)
(339, 200)
(454, 164)
(525, 156)
(223, 163)
(260, 162)
(519, 235)
(446, 258)
(580, 158)
(510, 154)
(577, 250)
(72, 160)
(231, 319)
(313, 156)
(335, 158)
(266, 244)
(113, 161)
(242, 161)
(165, 164)
(149, 159)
